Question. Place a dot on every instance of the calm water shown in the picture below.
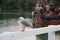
(9, 22)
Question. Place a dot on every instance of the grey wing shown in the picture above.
(25, 23)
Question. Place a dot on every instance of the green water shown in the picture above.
(7, 15)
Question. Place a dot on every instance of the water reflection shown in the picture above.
(9, 22)
(9, 25)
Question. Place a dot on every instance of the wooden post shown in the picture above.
(51, 35)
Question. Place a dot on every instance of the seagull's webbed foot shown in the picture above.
(23, 29)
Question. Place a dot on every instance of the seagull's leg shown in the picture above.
(23, 29)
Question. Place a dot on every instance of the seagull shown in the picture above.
(24, 23)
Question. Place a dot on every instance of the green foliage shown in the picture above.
(16, 4)
(24, 4)
(42, 37)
